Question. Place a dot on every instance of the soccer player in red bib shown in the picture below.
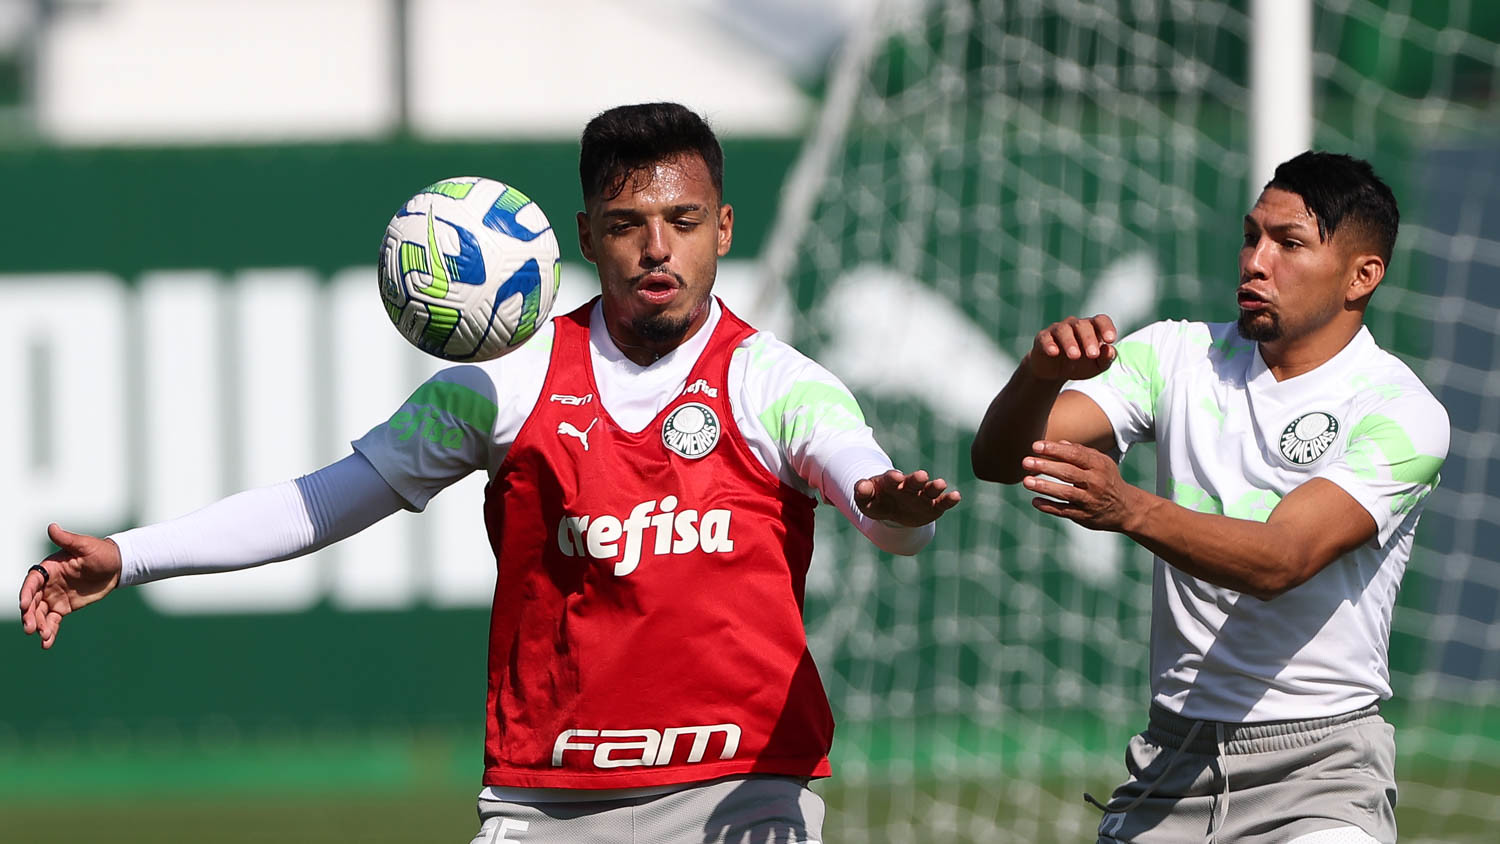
(654, 463)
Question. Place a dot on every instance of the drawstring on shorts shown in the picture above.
(1167, 728)
(1221, 802)
(1171, 760)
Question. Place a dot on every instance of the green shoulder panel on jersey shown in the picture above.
(759, 360)
(1380, 440)
(1137, 374)
(457, 401)
(1387, 391)
(810, 404)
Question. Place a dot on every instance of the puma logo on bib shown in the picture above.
(571, 430)
(691, 430)
(1308, 437)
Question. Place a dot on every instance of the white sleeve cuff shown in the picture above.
(852, 465)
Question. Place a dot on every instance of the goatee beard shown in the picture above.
(1266, 331)
(660, 328)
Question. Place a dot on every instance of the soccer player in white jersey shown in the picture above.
(1293, 457)
(654, 465)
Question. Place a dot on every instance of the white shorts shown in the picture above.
(727, 811)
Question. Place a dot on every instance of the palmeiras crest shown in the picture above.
(692, 430)
(1308, 437)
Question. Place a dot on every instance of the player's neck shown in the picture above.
(1289, 357)
(643, 353)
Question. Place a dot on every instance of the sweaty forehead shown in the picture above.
(675, 180)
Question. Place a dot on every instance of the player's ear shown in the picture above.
(726, 229)
(1368, 271)
(585, 237)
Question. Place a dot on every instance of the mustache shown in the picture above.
(637, 279)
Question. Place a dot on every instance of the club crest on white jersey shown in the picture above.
(1308, 437)
(672, 531)
(692, 430)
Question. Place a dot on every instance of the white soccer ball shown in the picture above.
(469, 269)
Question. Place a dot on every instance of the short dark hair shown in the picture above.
(628, 138)
(1340, 189)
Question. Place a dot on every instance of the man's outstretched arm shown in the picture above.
(1315, 524)
(244, 530)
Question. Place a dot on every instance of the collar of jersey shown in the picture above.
(605, 348)
(1259, 377)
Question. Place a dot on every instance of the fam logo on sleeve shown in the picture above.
(1308, 437)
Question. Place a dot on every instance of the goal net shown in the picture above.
(984, 167)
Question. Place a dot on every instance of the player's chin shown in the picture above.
(1258, 325)
(661, 326)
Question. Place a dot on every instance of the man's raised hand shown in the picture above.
(82, 570)
(1073, 348)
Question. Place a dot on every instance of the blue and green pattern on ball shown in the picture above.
(442, 301)
(527, 281)
(442, 321)
(502, 216)
(427, 280)
(531, 306)
(467, 267)
(449, 188)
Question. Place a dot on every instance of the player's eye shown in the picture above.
(1251, 238)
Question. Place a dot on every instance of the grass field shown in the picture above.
(420, 787)
(447, 815)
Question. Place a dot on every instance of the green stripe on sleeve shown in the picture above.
(1376, 433)
(458, 401)
(811, 404)
(1137, 374)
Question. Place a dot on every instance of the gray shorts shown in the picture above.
(1266, 782)
(739, 810)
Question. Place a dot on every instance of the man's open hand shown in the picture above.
(912, 499)
(83, 570)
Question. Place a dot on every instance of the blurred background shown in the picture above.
(194, 191)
